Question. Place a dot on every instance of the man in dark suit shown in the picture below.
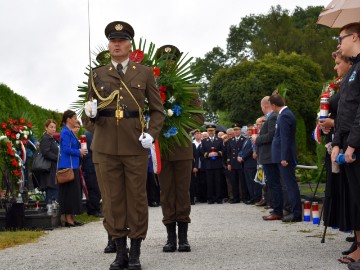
(233, 147)
(249, 166)
(212, 151)
(283, 150)
(263, 142)
(120, 144)
(199, 169)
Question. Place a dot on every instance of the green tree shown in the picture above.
(238, 90)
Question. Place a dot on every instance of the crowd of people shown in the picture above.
(214, 168)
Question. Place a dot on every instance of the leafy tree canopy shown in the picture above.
(238, 90)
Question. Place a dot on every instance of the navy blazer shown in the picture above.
(233, 149)
(246, 154)
(207, 146)
(69, 150)
(284, 143)
(264, 140)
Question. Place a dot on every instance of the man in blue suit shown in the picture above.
(283, 151)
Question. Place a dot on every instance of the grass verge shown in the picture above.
(14, 238)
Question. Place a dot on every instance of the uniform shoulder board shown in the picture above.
(93, 68)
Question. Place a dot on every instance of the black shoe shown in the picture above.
(350, 239)
(291, 218)
(77, 223)
(350, 250)
(153, 204)
(96, 214)
(122, 259)
(250, 202)
(69, 224)
(235, 201)
(111, 247)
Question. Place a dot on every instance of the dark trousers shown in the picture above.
(93, 202)
(201, 186)
(287, 173)
(236, 176)
(193, 187)
(253, 187)
(273, 180)
(214, 187)
(152, 188)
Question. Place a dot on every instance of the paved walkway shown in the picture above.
(221, 236)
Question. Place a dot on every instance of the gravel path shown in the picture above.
(221, 236)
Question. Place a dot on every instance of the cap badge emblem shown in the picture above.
(118, 27)
(167, 49)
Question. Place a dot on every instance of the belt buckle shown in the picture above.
(119, 114)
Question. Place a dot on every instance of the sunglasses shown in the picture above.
(340, 38)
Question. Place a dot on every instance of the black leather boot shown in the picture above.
(170, 245)
(111, 247)
(122, 259)
(134, 255)
(182, 233)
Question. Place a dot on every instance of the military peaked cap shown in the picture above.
(168, 52)
(118, 29)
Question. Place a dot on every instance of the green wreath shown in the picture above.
(177, 91)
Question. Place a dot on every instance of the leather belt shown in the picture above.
(111, 113)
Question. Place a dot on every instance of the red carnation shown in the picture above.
(11, 153)
(14, 162)
(162, 96)
(162, 88)
(29, 124)
(21, 127)
(24, 141)
(156, 71)
(22, 120)
(8, 132)
(3, 125)
(11, 121)
(16, 172)
(13, 136)
(16, 128)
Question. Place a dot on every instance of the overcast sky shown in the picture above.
(44, 43)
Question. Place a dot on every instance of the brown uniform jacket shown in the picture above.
(123, 139)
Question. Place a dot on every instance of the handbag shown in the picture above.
(65, 176)
(40, 164)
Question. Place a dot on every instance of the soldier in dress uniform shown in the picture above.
(234, 146)
(212, 151)
(175, 177)
(120, 144)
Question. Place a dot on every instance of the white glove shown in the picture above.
(146, 140)
(90, 108)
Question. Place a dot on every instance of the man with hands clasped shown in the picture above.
(120, 141)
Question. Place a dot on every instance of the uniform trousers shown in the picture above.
(214, 186)
(122, 182)
(174, 180)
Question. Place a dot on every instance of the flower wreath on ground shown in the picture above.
(328, 91)
(177, 90)
(15, 135)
